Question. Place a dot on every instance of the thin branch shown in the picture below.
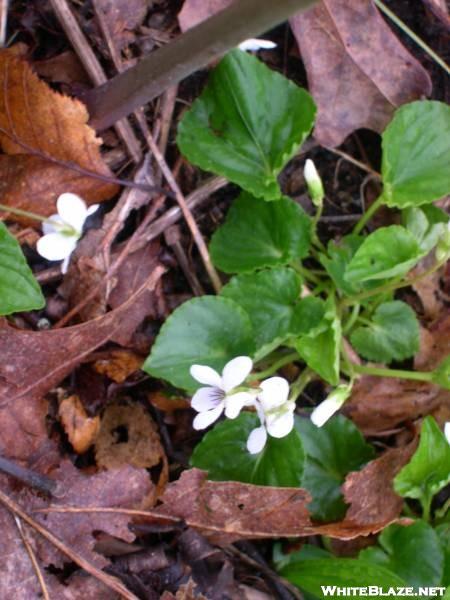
(27, 476)
(32, 556)
(111, 582)
(188, 53)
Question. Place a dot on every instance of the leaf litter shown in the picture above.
(37, 165)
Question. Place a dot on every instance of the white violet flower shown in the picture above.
(253, 45)
(275, 411)
(331, 404)
(447, 431)
(63, 230)
(210, 402)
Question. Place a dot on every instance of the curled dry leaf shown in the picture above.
(126, 487)
(129, 436)
(345, 47)
(119, 364)
(229, 511)
(79, 427)
(36, 123)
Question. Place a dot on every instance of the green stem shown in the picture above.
(368, 215)
(352, 318)
(23, 213)
(300, 383)
(399, 373)
(305, 273)
(393, 17)
(284, 360)
(426, 506)
(390, 287)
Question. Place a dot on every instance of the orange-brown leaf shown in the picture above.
(79, 427)
(37, 123)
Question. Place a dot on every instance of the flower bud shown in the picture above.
(331, 404)
(314, 183)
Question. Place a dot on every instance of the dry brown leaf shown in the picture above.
(62, 68)
(79, 427)
(228, 511)
(379, 404)
(440, 9)
(122, 16)
(166, 403)
(36, 119)
(196, 11)
(33, 363)
(119, 364)
(128, 435)
(437, 345)
(126, 487)
(346, 47)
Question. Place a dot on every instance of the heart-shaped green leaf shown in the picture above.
(332, 451)
(272, 301)
(248, 122)
(387, 252)
(206, 331)
(260, 234)
(223, 453)
(428, 471)
(391, 334)
(400, 553)
(320, 348)
(443, 532)
(19, 291)
(416, 154)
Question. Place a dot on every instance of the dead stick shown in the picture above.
(27, 476)
(111, 582)
(33, 558)
(188, 53)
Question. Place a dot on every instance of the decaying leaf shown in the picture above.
(119, 364)
(128, 436)
(121, 18)
(31, 374)
(437, 345)
(126, 487)
(196, 11)
(79, 427)
(228, 511)
(379, 404)
(346, 47)
(36, 123)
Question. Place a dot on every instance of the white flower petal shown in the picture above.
(206, 398)
(49, 227)
(257, 440)
(255, 44)
(204, 419)
(280, 425)
(55, 246)
(274, 392)
(236, 371)
(206, 375)
(72, 210)
(236, 402)
(325, 411)
(447, 431)
(92, 209)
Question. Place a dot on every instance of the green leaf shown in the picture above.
(387, 252)
(223, 453)
(427, 224)
(272, 301)
(320, 349)
(246, 125)
(416, 154)
(428, 471)
(258, 234)
(392, 334)
(205, 331)
(311, 574)
(332, 451)
(413, 552)
(19, 290)
(443, 532)
(441, 375)
(339, 256)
